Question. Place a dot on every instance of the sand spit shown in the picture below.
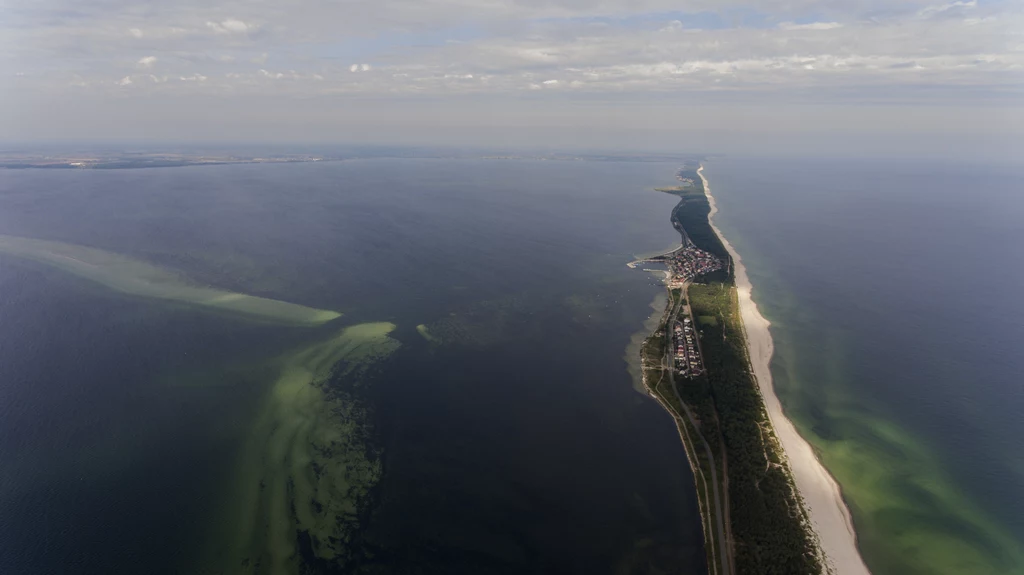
(820, 492)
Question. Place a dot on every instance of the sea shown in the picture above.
(894, 292)
(500, 430)
(476, 414)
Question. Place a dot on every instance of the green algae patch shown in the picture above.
(910, 515)
(424, 332)
(306, 469)
(138, 278)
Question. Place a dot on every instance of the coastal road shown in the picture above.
(723, 544)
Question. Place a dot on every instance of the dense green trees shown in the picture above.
(769, 526)
(768, 523)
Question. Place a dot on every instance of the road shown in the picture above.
(723, 543)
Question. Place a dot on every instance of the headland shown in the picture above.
(697, 364)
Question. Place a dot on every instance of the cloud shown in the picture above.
(673, 26)
(126, 81)
(289, 75)
(230, 26)
(601, 48)
(940, 8)
(810, 26)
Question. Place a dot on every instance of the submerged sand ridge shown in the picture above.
(139, 278)
(306, 468)
(822, 497)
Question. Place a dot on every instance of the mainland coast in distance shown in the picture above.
(767, 503)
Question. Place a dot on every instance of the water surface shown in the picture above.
(894, 290)
(141, 433)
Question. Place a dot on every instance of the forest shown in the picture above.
(769, 527)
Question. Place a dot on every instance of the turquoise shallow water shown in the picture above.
(894, 295)
(515, 445)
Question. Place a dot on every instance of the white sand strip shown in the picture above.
(822, 497)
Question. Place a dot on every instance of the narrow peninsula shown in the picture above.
(697, 366)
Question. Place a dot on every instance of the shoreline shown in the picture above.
(830, 518)
(634, 365)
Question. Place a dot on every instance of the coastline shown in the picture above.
(636, 342)
(829, 516)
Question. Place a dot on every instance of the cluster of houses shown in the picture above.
(687, 356)
(690, 262)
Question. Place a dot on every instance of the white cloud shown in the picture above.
(810, 26)
(940, 8)
(230, 26)
(673, 26)
(974, 47)
(126, 81)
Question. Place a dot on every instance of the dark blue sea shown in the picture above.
(513, 442)
(894, 291)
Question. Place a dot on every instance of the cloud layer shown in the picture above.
(857, 51)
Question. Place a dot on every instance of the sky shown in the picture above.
(903, 76)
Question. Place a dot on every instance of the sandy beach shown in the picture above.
(820, 492)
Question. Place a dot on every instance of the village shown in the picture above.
(688, 262)
(684, 264)
(687, 356)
